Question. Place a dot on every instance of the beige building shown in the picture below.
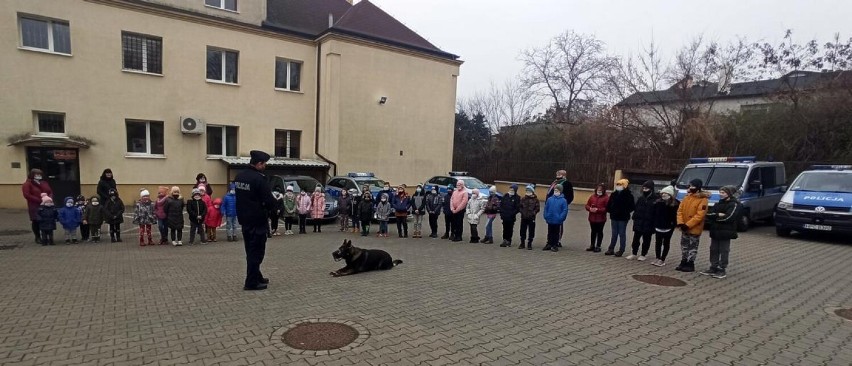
(160, 90)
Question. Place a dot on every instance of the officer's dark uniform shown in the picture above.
(254, 199)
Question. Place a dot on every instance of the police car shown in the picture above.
(760, 184)
(305, 183)
(470, 183)
(820, 199)
(356, 181)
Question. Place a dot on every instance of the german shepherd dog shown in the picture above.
(361, 260)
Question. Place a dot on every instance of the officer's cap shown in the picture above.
(258, 156)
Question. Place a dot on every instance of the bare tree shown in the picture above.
(569, 71)
(506, 105)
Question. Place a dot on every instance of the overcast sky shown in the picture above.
(489, 34)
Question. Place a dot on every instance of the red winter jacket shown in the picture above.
(598, 202)
(32, 193)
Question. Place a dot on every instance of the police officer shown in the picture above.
(254, 199)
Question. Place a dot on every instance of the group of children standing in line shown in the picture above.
(293, 207)
(660, 215)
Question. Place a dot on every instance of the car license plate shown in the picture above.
(817, 227)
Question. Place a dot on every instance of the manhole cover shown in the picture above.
(844, 313)
(659, 280)
(15, 232)
(319, 336)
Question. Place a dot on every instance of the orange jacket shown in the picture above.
(692, 210)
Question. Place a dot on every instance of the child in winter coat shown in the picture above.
(619, 206)
(70, 217)
(665, 219)
(690, 220)
(529, 210)
(643, 221)
(365, 212)
(555, 213)
(275, 213)
(229, 211)
(401, 205)
(448, 212)
(303, 206)
(418, 209)
(213, 220)
(317, 208)
(143, 215)
(434, 204)
(174, 215)
(722, 219)
(114, 215)
(492, 208)
(290, 214)
(353, 210)
(475, 208)
(160, 214)
(344, 205)
(196, 209)
(81, 206)
(596, 206)
(383, 212)
(510, 205)
(47, 216)
(94, 217)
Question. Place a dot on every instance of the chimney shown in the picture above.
(330, 20)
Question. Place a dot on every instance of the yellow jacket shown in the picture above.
(692, 210)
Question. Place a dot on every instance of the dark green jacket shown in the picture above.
(724, 227)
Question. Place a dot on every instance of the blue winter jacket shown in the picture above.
(70, 217)
(555, 210)
(229, 203)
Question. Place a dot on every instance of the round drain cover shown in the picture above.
(844, 313)
(659, 280)
(320, 336)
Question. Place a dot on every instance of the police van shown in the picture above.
(356, 181)
(760, 184)
(820, 199)
(470, 183)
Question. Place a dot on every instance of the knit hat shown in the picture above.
(623, 182)
(730, 190)
(45, 199)
(530, 188)
(232, 186)
(514, 186)
(196, 191)
(697, 183)
(668, 190)
(557, 187)
(492, 189)
(175, 190)
(289, 188)
(648, 184)
(144, 193)
(202, 188)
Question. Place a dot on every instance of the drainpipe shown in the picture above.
(317, 127)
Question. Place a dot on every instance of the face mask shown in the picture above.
(599, 193)
(202, 180)
(175, 195)
(69, 204)
(666, 196)
(109, 175)
(529, 194)
(693, 190)
(619, 188)
(196, 198)
(419, 190)
(384, 199)
(557, 193)
(232, 192)
(37, 177)
(95, 203)
(511, 192)
(434, 192)
(387, 188)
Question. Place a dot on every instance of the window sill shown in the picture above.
(223, 9)
(220, 157)
(50, 134)
(42, 50)
(143, 156)
(222, 82)
(131, 71)
(290, 91)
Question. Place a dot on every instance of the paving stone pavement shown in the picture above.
(448, 304)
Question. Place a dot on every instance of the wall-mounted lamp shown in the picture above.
(383, 100)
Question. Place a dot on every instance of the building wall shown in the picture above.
(360, 134)
(97, 96)
(248, 11)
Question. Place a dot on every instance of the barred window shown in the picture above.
(50, 123)
(47, 34)
(287, 143)
(142, 53)
(288, 74)
(222, 65)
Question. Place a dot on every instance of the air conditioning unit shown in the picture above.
(192, 125)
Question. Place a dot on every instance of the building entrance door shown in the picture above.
(61, 167)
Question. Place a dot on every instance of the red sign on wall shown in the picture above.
(65, 154)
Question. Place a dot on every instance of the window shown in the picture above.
(46, 34)
(50, 123)
(287, 143)
(222, 65)
(288, 74)
(222, 140)
(142, 53)
(222, 4)
(144, 137)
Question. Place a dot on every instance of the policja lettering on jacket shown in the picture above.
(254, 199)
